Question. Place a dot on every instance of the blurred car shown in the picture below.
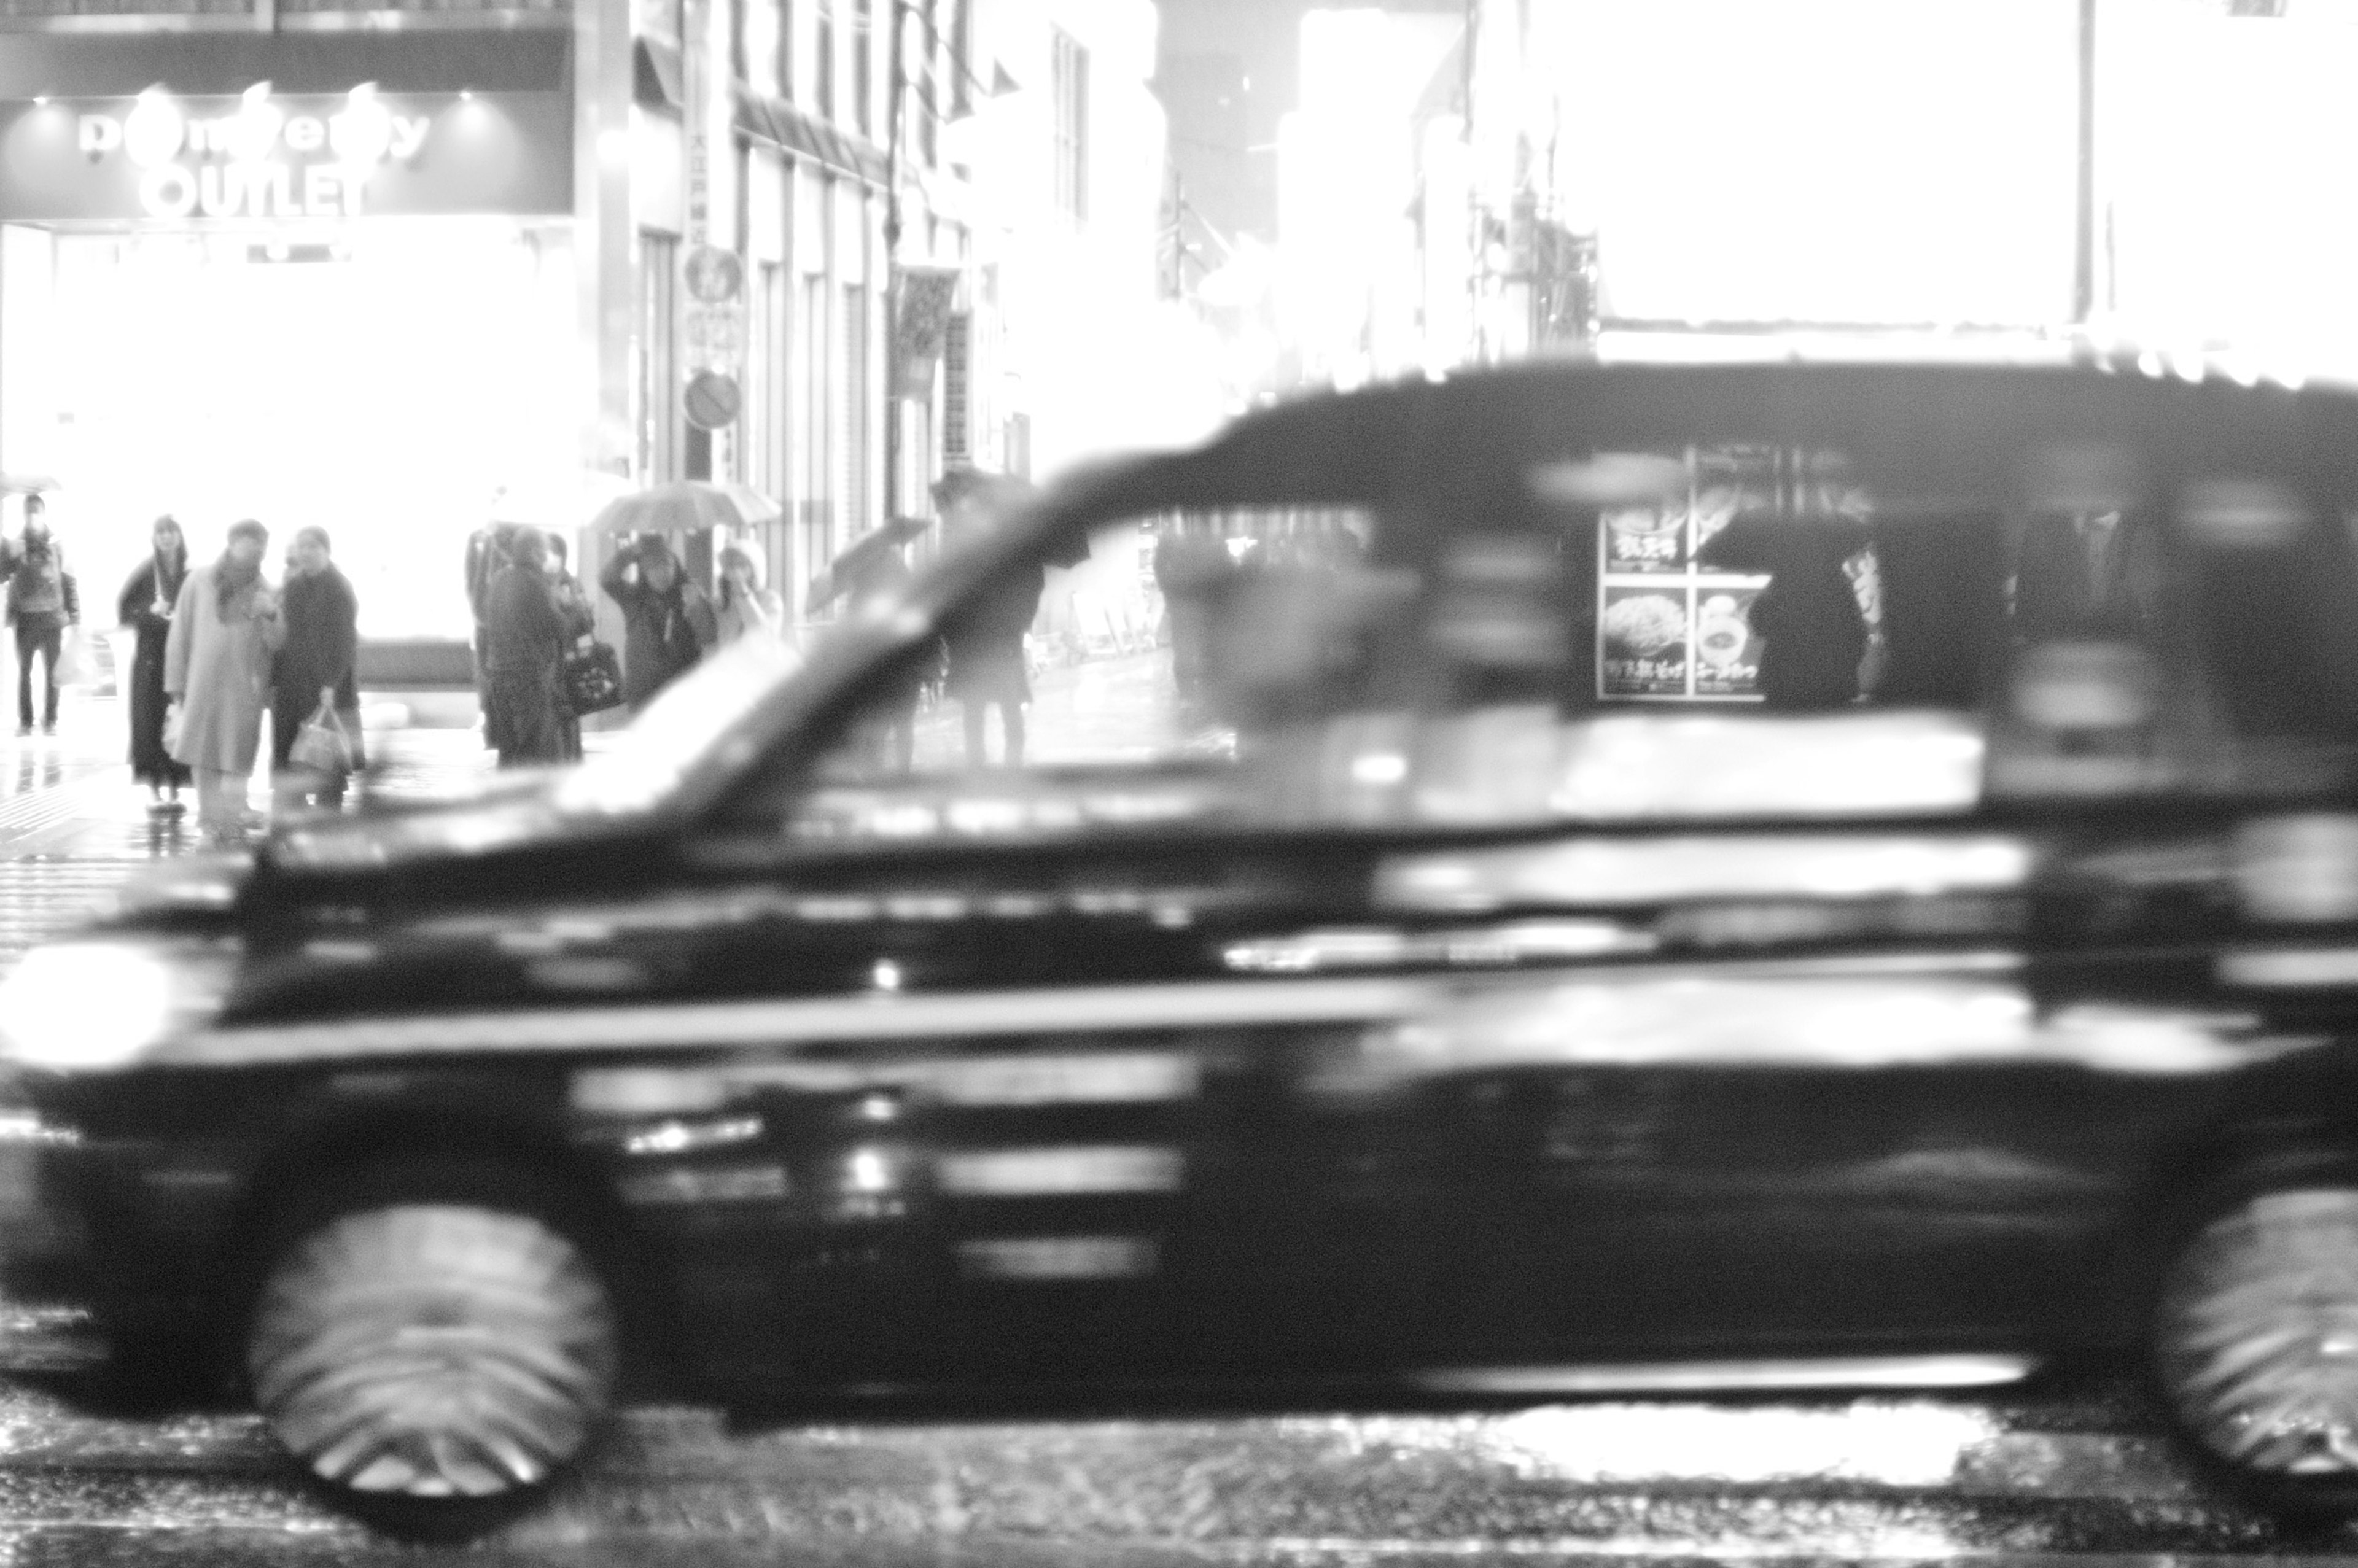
(1517, 963)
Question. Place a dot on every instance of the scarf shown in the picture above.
(232, 577)
(171, 571)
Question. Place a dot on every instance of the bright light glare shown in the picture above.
(679, 727)
(1855, 174)
(88, 1005)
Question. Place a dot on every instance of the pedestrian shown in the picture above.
(315, 664)
(217, 669)
(1812, 633)
(42, 603)
(580, 622)
(527, 641)
(666, 620)
(741, 606)
(146, 606)
(487, 552)
(984, 645)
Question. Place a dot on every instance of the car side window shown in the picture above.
(2204, 646)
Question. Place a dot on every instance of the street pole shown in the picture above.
(2083, 216)
(893, 102)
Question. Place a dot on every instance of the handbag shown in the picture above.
(74, 665)
(591, 679)
(322, 745)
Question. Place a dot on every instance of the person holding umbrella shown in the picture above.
(666, 620)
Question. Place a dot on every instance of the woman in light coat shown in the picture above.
(217, 667)
(742, 607)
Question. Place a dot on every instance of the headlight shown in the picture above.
(97, 1003)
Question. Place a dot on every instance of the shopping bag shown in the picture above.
(590, 679)
(75, 664)
(323, 745)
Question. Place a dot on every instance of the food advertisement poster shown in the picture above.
(1646, 539)
(1726, 654)
(1668, 628)
(1730, 482)
(1645, 638)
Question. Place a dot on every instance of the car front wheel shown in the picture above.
(431, 1361)
(2256, 1343)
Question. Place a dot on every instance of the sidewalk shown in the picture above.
(73, 825)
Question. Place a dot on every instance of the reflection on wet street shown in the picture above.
(2070, 1473)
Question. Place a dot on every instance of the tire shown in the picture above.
(2255, 1342)
(433, 1346)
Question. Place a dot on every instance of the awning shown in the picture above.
(202, 65)
(659, 84)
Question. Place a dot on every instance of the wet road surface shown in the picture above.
(2085, 1473)
(2051, 1476)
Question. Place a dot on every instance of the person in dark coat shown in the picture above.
(146, 606)
(580, 621)
(527, 639)
(984, 647)
(668, 620)
(1812, 633)
(315, 664)
(487, 552)
(41, 604)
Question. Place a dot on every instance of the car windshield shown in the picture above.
(682, 727)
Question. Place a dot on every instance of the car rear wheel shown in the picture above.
(2256, 1343)
(433, 1361)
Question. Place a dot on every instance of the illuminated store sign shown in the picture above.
(159, 157)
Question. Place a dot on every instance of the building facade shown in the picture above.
(394, 266)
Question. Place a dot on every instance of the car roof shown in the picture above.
(1922, 423)
(1920, 427)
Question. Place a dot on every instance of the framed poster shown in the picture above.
(1646, 631)
(1670, 628)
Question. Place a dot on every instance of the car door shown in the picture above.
(1796, 1098)
(1042, 1103)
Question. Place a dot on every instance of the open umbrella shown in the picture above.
(686, 503)
(27, 483)
(856, 558)
(969, 496)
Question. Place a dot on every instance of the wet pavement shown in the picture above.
(1878, 1479)
(2081, 1472)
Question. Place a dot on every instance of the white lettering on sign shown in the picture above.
(258, 183)
(169, 191)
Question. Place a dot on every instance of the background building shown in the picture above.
(390, 266)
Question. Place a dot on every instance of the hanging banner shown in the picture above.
(922, 296)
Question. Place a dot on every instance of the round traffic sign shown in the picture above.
(714, 275)
(712, 400)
